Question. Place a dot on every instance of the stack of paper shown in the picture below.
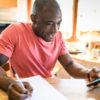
(43, 90)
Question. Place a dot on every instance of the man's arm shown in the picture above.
(3, 59)
(74, 69)
(14, 90)
(5, 81)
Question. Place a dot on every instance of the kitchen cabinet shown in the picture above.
(8, 3)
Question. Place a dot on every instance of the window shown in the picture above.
(66, 25)
(88, 18)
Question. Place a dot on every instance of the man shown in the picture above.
(33, 49)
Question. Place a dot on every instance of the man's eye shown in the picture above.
(59, 23)
(49, 23)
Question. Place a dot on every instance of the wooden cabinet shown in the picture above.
(8, 3)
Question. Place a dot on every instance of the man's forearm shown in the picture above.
(77, 71)
(5, 81)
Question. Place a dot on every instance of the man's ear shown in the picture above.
(33, 18)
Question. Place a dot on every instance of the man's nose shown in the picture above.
(54, 28)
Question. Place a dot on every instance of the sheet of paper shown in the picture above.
(43, 90)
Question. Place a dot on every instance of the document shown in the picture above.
(43, 90)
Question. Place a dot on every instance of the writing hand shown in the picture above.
(28, 87)
(16, 92)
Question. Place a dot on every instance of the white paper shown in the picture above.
(43, 90)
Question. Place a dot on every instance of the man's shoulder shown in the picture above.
(21, 27)
(21, 24)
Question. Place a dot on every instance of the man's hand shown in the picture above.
(93, 75)
(16, 92)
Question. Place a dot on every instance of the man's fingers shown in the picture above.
(94, 73)
(18, 88)
(98, 74)
(15, 95)
(98, 84)
(92, 86)
(95, 69)
(28, 86)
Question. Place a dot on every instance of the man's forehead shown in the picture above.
(49, 8)
(50, 12)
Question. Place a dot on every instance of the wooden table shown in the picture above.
(3, 95)
(86, 60)
(73, 89)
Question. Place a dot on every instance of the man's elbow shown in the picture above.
(3, 59)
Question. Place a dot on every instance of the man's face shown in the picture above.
(48, 23)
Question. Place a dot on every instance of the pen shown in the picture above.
(20, 82)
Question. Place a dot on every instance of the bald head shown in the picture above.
(39, 5)
(46, 18)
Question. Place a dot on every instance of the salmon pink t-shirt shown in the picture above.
(29, 54)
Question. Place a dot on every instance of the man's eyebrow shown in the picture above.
(52, 21)
(49, 21)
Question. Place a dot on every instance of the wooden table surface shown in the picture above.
(73, 89)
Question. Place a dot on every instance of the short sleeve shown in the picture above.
(63, 48)
(8, 41)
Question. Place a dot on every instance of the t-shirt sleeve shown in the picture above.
(63, 49)
(8, 41)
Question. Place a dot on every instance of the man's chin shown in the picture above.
(48, 40)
